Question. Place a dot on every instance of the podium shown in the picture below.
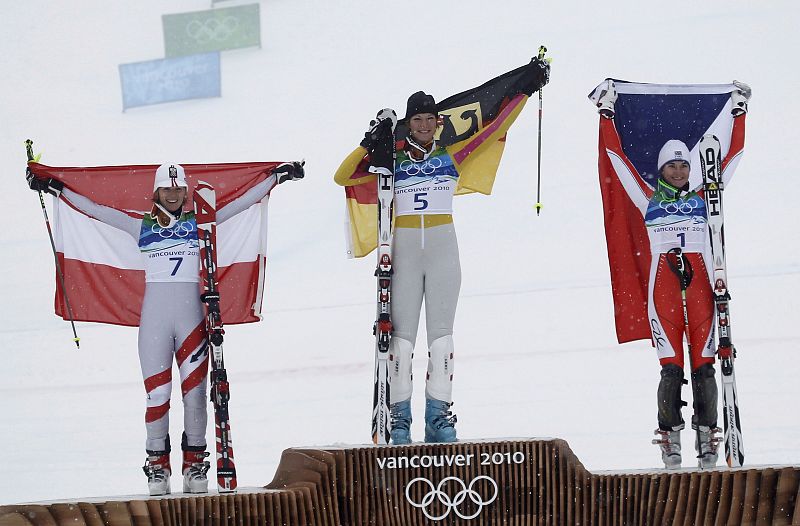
(491, 482)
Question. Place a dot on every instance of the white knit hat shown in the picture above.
(673, 150)
(169, 175)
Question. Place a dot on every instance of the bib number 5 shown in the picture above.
(420, 201)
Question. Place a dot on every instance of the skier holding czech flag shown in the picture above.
(677, 285)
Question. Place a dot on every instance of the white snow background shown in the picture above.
(536, 353)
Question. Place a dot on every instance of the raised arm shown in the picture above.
(280, 174)
(638, 190)
(739, 99)
(105, 214)
(354, 169)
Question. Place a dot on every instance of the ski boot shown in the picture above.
(195, 469)
(400, 430)
(706, 443)
(158, 470)
(439, 421)
(670, 444)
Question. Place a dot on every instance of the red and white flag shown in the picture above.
(103, 267)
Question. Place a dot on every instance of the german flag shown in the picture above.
(483, 112)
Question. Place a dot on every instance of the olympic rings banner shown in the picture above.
(645, 117)
(212, 30)
(171, 79)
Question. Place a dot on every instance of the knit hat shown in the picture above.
(673, 150)
(420, 102)
(169, 175)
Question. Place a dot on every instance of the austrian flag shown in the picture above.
(103, 266)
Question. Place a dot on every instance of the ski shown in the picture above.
(711, 164)
(206, 216)
(382, 329)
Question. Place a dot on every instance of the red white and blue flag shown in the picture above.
(103, 267)
(645, 117)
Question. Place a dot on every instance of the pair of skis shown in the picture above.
(383, 131)
(711, 164)
(206, 217)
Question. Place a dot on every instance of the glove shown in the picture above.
(385, 117)
(604, 97)
(536, 75)
(739, 97)
(289, 171)
(381, 155)
(49, 185)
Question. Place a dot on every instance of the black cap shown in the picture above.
(420, 102)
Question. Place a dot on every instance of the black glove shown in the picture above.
(536, 75)
(289, 171)
(49, 185)
(381, 154)
(384, 117)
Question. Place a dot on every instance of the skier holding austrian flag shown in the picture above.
(428, 171)
(172, 315)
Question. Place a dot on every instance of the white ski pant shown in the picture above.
(426, 265)
(172, 325)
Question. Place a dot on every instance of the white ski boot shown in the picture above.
(670, 444)
(706, 443)
(158, 471)
(195, 471)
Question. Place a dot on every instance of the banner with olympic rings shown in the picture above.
(212, 30)
(170, 79)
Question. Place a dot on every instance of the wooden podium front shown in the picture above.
(508, 482)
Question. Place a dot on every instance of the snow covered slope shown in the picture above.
(536, 351)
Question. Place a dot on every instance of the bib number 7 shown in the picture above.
(177, 265)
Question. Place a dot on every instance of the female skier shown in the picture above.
(425, 256)
(675, 218)
(172, 317)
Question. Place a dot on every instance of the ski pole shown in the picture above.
(540, 56)
(683, 269)
(59, 272)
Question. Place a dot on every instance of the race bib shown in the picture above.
(677, 223)
(171, 254)
(425, 187)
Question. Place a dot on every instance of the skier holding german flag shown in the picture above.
(453, 147)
